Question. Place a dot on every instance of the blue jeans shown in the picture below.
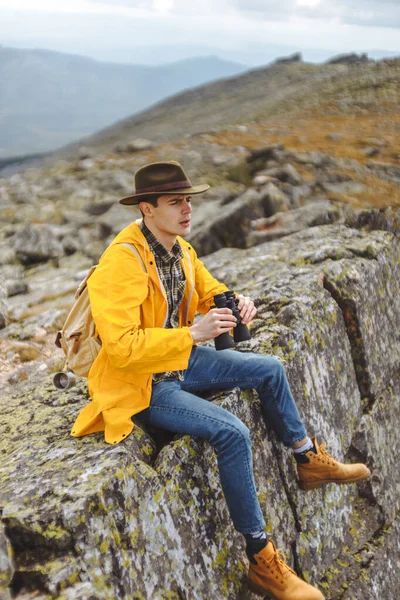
(174, 407)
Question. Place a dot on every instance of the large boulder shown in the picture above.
(147, 518)
(231, 223)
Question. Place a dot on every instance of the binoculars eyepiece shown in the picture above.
(240, 332)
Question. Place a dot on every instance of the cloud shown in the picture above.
(370, 13)
(374, 13)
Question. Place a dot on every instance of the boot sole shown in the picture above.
(314, 485)
(259, 591)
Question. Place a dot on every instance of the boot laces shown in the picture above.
(326, 454)
(278, 562)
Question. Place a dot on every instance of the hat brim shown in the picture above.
(136, 198)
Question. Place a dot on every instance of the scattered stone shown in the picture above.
(371, 151)
(36, 243)
(376, 142)
(334, 137)
(318, 159)
(116, 218)
(86, 164)
(344, 187)
(85, 152)
(273, 151)
(297, 194)
(3, 304)
(286, 173)
(384, 170)
(221, 159)
(137, 145)
(70, 245)
(260, 180)
(242, 128)
(98, 208)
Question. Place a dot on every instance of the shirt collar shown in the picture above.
(159, 249)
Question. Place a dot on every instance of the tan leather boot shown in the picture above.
(271, 575)
(319, 469)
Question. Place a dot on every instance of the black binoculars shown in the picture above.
(240, 332)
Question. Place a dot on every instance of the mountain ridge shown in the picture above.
(49, 99)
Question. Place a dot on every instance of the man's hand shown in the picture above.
(247, 309)
(216, 321)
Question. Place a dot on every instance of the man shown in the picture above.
(144, 295)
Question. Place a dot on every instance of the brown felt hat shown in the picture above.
(162, 178)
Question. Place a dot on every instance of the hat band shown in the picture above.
(164, 187)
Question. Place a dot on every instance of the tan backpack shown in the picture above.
(79, 338)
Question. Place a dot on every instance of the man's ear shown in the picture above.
(146, 208)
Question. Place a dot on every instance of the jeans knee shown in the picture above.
(235, 433)
(276, 368)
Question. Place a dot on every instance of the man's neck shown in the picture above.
(167, 240)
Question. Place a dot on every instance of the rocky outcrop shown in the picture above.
(147, 518)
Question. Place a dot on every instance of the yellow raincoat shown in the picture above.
(129, 308)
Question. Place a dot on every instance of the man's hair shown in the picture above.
(153, 200)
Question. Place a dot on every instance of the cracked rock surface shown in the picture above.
(147, 520)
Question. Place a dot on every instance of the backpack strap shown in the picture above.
(135, 250)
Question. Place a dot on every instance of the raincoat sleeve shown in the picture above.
(206, 287)
(117, 289)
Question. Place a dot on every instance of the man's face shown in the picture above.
(171, 216)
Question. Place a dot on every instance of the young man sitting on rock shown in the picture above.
(144, 303)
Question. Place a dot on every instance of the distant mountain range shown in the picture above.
(48, 99)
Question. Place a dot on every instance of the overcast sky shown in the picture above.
(249, 31)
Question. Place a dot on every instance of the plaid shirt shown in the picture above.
(173, 279)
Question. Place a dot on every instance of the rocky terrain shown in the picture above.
(303, 215)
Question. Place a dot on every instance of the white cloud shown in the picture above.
(107, 29)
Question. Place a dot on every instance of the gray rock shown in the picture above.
(286, 173)
(85, 152)
(6, 565)
(376, 142)
(137, 145)
(315, 158)
(7, 253)
(89, 520)
(348, 59)
(116, 218)
(231, 225)
(321, 212)
(344, 187)
(384, 170)
(299, 194)
(3, 303)
(85, 164)
(35, 244)
(292, 58)
(371, 151)
(98, 208)
(222, 159)
(334, 137)
(273, 151)
(14, 279)
(387, 219)
(70, 244)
